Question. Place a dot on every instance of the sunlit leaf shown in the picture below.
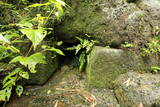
(3, 39)
(38, 5)
(19, 90)
(24, 74)
(56, 50)
(11, 75)
(5, 4)
(31, 61)
(82, 61)
(5, 94)
(13, 49)
(35, 35)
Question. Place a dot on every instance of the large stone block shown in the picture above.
(133, 89)
(106, 64)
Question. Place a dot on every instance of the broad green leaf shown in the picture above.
(56, 50)
(60, 12)
(82, 61)
(59, 43)
(17, 59)
(61, 2)
(11, 75)
(5, 93)
(19, 41)
(35, 35)
(5, 4)
(31, 61)
(78, 48)
(19, 90)
(38, 5)
(10, 34)
(59, 5)
(3, 39)
(24, 74)
(13, 49)
(11, 81)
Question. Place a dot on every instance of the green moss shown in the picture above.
(122, 99)
(103, 67)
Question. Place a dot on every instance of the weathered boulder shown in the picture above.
(110, 21)
(133, 88)
(44, 71)
(106, 64)
(152, 8)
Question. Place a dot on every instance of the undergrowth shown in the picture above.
(25, 25)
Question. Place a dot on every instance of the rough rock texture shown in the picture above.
(44, 71)
(105, 64)
(133, 88)
(110, 21)
(67, 88)
(152, 8)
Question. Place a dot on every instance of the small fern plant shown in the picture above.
(83, 48)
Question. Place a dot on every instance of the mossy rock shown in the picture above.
(110, 21)
(133, 89)
(106, 64)
(44, 71)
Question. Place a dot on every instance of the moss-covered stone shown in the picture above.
(105, 65)
(44, 71)
(132, 89)
(110, 21)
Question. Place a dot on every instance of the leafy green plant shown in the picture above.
(155, 69)
(153, 47)
(30, 31)
(127, 45)
(84, 48)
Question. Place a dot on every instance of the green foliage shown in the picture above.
(8, 82)
(127, 45)
(5, 4)
(155, 69)
(85, 46)
(48, 48)
(153, 47)
(30, 61)
(58, 4)
(28, 30)
(35, 35)
(19, 90)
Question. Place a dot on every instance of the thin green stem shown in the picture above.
(4, 105)
(49, 15)
(29, 50)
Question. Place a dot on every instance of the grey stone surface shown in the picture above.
(133, 88)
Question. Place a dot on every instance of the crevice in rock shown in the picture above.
(116, 96)
(131, 1)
